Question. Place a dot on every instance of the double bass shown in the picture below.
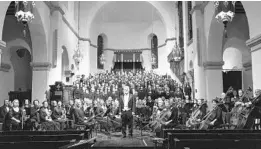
(244, 115)
(209, 117)
(235, 112)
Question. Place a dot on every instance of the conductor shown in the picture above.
(127, 110)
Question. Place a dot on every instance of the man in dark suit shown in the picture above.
(4, 110)
(127, 109)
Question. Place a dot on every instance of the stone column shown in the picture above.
(247, 76)
(40, 80)
(200, 82)
(255, 45)
(214, 80)
(84, 66)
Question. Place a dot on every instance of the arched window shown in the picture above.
(154, 52)
(180, 16)
(99, 51)
(190, 33)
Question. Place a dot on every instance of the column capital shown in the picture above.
(247, 65)
(254, 43)
(213, 65)
(4, 67)
(41, 66)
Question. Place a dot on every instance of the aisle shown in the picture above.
(115, 140)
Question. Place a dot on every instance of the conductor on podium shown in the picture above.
(127, 110)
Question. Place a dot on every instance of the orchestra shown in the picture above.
(115, 101)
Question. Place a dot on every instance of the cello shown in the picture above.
(193, 120)
(209, 117)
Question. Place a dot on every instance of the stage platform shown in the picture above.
(114, 140)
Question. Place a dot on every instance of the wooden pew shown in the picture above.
(216, 143)
(18, 138)
(169, 135)
(87, 133)
(35, 144)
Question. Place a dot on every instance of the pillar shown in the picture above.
(214, 80)
(199, 82)
(255, 45)
(247, 75)
(40, 80)
(84, 67)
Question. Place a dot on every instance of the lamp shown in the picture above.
(24, 12)
(78, 56)
(225, 12)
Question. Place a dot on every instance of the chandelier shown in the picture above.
(177, 54)
(102, 59)
(225, 12)
(24, 12)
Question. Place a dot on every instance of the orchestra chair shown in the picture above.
(257, 124)
(77, 126)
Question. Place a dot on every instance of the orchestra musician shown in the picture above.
(4, 110)
(13, 119)
(214, 118)
(127, 110)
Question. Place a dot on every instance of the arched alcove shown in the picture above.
(20, 60)
(65, 61)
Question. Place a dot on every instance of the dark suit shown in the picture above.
(3, 112)
(126, 116)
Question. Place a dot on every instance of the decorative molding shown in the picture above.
(59, 9)
(200, 7)
(54, 8)
(5, 67)
(41, 66)
(254, 43)
(213, 65)
(140, 49)
(247, 66)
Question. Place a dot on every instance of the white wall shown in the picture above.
(129, 35)
(232, 59)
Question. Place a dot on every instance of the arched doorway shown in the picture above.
(235, 52)
(12, 34)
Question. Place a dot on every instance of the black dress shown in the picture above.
(11, 124)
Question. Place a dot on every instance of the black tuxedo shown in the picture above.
(126, 116)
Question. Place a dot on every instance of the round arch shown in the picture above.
(163, 13)
(150, 36)
(38, 29)
(65, 61)
(105, 40)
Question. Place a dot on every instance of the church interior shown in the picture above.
(67, 66)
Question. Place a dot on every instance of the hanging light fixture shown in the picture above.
(225, 12)
(24, 12)
(78, 56)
